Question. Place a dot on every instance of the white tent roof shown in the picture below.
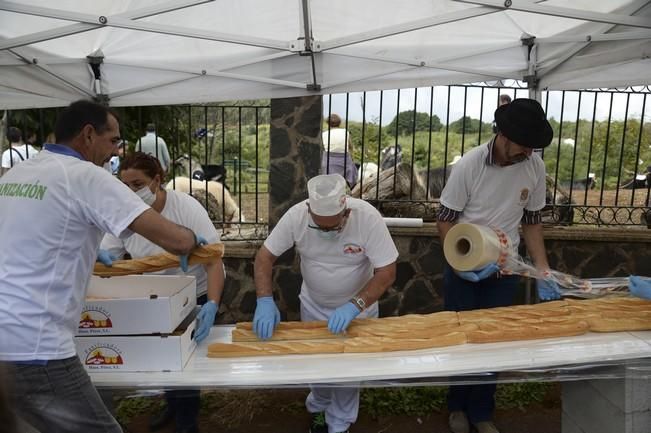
(182, 51)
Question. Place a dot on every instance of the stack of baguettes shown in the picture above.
(523, 322)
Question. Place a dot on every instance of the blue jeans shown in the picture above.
(59, 398)
(477, 401)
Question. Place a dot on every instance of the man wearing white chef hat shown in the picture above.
(348, 260)
(498, 184)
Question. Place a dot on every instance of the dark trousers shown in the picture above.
(184, 404)
(477, 401)
(58, 397)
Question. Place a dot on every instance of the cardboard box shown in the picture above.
(122, 353)
(137, 304)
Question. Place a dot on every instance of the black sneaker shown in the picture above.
(318, 424)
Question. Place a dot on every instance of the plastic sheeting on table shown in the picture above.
(601, 353)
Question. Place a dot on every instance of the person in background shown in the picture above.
(338, 151)
(348, 260)
(504, 99)
(18, 150)
(44, 271)
(143, 174)
(115, 160)
(498, 184)
(153, 144)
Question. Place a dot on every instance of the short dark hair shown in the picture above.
(144, 162)
(151, 127)
(80, 113)
(14, 135)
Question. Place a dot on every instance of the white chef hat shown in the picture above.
(327, 194)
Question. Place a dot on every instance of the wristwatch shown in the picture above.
(359, 303)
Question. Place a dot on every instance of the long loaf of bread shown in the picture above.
(525, 322)
(202, 255)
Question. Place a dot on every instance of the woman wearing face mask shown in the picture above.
(144, 175)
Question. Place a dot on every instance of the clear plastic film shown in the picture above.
(593, 355)
(471, 247)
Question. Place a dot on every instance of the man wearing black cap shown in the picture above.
(498, 184)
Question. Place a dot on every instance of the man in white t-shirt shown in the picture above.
(348, 260)
(18, 151)
(499, 184)
(68, 202)
(153, 144)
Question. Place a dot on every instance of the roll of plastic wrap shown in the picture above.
(469, 247)
(403, 222)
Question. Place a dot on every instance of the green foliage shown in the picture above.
(520, 395)
(469, 125)
(402, 401)
(405, 123)
(421, 401)
(128, 408)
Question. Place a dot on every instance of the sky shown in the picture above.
(472, 97)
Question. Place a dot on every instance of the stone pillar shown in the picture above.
(295, 157)
(607, 405)
(295, 153)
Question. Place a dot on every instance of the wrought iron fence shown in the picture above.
(405, 143)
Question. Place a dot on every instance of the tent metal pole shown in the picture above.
(623, 36)
(602, 29)
(117, 21)
(431, 65)
(45, 68)
(404, 28)
(73, 29)
(556, 11)
(306, 27)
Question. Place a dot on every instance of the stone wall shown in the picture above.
(581, 252)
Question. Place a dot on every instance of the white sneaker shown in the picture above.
(486, 427)
(458, 422)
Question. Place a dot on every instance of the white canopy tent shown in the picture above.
(149, 52)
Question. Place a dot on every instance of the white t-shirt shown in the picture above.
(182, 209)
(335, 270)
(338, 138)
(147, 144)
(16, 154)
(492, 195)
(54, 210)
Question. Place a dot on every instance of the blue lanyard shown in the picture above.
(63, 150)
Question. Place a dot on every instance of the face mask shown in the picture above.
(146, 195)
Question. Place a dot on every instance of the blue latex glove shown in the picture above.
(548, 290)
(341, 318)
(480, 274)
(206, 319)
(640, 287)
(105, 257)
(266, 317)
(183, 260)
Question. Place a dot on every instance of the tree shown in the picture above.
(468, 125)
(405, 122)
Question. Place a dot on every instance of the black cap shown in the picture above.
(523, 121)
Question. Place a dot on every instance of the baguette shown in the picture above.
(201, 255)
(224, 350)
(527, 332)
(242, 335)
(602, 324)
(381, 344)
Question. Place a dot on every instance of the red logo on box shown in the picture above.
(103, 355)
(95, 319)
